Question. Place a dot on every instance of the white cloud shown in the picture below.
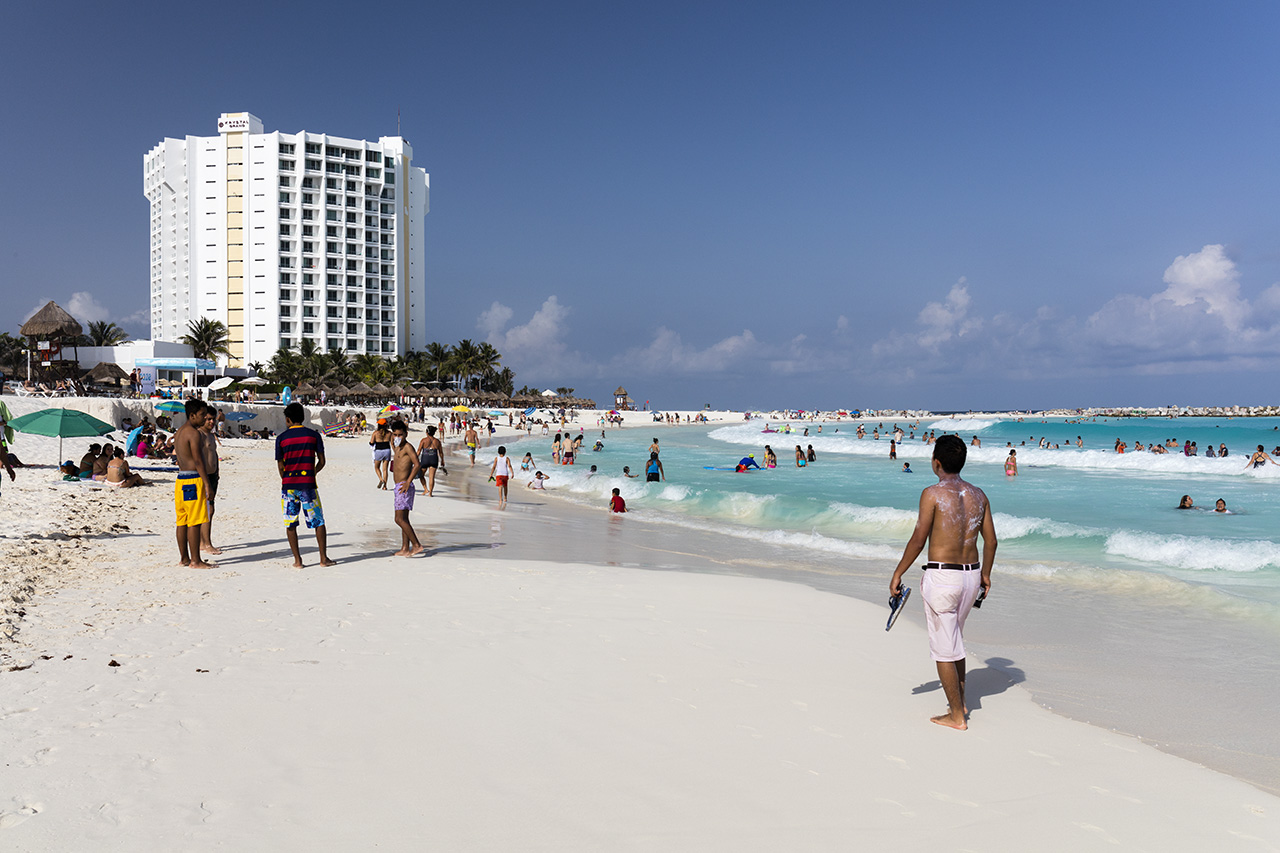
(1199, 321)
(668, 353)
(945, 321)
(538, 346)
(1199, 312)
(86, 309)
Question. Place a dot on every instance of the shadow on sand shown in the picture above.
(996, 677)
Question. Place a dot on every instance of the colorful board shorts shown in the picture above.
(948, 597)
(501, 480)
(304, 503)
(404, 499)
(190, 503)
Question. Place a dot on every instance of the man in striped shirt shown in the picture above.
(299, 457)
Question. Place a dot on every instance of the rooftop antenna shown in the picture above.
(397, 121)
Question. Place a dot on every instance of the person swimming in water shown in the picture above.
(801, 461)
(906, 468)
(1186, 503)
(1221, 506)
(1258, 459)
(811, 456)
(1011, 464)
(747, 462)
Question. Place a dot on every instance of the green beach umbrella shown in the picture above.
(64, 423)
(171, 406)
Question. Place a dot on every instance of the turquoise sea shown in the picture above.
(1077, 515)
(1110, 604)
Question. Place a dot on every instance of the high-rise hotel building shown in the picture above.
(286, 237)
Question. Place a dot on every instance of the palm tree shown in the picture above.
(12, 352)
(437, 358)
(466, 360)
(104, 334)
(207, 338)
(337, 368)
(505, 381)
(257, 367)
(285, 367)
(371, 368)
(488, 360)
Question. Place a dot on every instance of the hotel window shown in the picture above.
(313, 148)
(286, 165)
(372, 156)
(308, 246)
(312, 165)
(284, 245)
(285, 230)
(307, 278)
(391, 177)
(331, 248)
(286, 148)
(285, 181)
(307, 230)
(308, 198)
(308, 183)
(331, 183)
(352, 217)
(285, 198)
(331, 199)
(353, 187)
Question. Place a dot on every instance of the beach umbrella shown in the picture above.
(171, 406)
(253, 380)
(461, 409)
(496, 414)
(131, 443)
(390, 407)
(220, 383)
(530, 410)
(334, 429)
(64, 423)
(241, 416)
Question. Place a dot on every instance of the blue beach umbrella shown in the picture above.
(241, 416)
(131, 444)
(171, 406)
(530, 410)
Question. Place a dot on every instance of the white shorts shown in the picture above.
(948, 597)
(382, 456)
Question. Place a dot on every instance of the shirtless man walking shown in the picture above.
(430, 457)
(952, 514)
(191, 489)
(472, 441)
(404, 469)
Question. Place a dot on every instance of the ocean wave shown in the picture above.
(1197, 553)
(966, 426)
(1017, 527)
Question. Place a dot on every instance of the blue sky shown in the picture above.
(745, 204)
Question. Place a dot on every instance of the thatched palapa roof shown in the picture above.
(107, 371)
(51, 321)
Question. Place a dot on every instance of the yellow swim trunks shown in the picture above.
(189, 500)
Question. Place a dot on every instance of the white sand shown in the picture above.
(460, 702)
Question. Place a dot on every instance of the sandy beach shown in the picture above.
(557, 698)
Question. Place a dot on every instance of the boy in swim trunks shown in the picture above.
(952, 515)
(404, 469)
(472, 440)
(501, 473)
